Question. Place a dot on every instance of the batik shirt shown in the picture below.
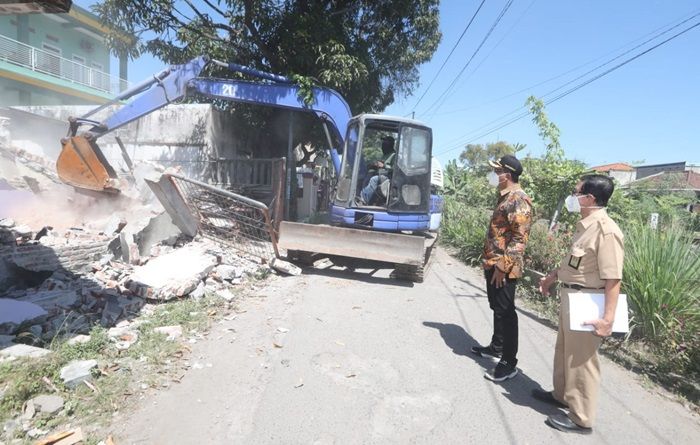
(508, 232)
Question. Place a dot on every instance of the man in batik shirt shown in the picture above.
(503, 264)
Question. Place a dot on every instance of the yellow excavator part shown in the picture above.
(80, 166)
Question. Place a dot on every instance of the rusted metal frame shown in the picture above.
(225, 193)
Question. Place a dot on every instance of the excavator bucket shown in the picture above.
(82, 164)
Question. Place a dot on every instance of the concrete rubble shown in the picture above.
(69, 262)
(48, 404)
(77, 372)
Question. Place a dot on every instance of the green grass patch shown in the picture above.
(145, 361)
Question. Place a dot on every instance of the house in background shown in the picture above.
(623, 173)
(56, 59)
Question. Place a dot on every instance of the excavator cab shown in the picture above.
(381, 188)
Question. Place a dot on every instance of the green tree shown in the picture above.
(368, 50)
(476, 156)
(550, 178)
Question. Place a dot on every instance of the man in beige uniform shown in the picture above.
(593, 265)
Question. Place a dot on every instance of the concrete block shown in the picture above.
(174, 274)
(77, 372)
(20, 350)
(227, 272)
(285, 267)
(48, 404)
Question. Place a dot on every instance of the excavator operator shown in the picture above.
(382, 168)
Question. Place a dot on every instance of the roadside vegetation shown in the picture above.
(152, 361)
(662, 266)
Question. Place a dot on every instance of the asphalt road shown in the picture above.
(334, 357)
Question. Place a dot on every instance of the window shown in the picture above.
(49, 59)
(98, 79)
(80, 71)
(414, 154)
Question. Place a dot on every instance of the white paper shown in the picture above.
(587, 307)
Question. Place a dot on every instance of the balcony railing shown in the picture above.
(54, 65)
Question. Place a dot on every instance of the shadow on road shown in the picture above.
(479, 290)
(518, 389)
(356, 275)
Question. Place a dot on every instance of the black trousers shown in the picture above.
(505, 319)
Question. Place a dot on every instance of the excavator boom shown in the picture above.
(82, 164)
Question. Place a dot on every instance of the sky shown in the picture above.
(645, 112)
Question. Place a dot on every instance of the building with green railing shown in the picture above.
(56, 59)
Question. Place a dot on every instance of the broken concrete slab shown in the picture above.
(20, 350)
(285, 267)
(199, 291)
(50, 299)
(173, 274)
(48, 404)
(14, 312)
(115, 225)
(159, 229)
(129, 248)
(225, 294)
(77, 372)
(227, 272)
(175, 205)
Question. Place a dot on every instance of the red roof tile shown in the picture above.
(618, 166)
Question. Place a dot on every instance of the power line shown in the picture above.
(483, 41)
(558, 76)
(577, 87)
(450, 54)
(549, 93)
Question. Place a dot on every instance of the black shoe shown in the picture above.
(502, 371)
(486, 351)
(563, 423)
(547, 397)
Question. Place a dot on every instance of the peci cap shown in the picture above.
(508, 162)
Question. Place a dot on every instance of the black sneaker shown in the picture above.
(502, 371)
(486, 351)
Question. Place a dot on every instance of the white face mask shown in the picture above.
(493, 179)
(572, 204)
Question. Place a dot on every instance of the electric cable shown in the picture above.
(576, 88)
(466, 65)
(450, 54)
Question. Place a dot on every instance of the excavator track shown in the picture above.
(413, 273)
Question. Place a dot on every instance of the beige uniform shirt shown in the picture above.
(596, 253)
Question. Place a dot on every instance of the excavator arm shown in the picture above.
(83, 165)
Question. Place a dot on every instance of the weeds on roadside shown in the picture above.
(662, 282)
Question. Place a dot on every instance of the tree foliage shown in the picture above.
(368, 50)
(551, 177)
(476, 156)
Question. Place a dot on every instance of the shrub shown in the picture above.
(662, 281)
(464, 227)
(545, 249)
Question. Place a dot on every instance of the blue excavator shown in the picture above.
(385, 208)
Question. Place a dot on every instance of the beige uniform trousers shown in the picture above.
(576, 367)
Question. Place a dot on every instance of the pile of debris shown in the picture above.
(66, 283)
(74, 261)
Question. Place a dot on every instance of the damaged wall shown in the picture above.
(189, 136)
